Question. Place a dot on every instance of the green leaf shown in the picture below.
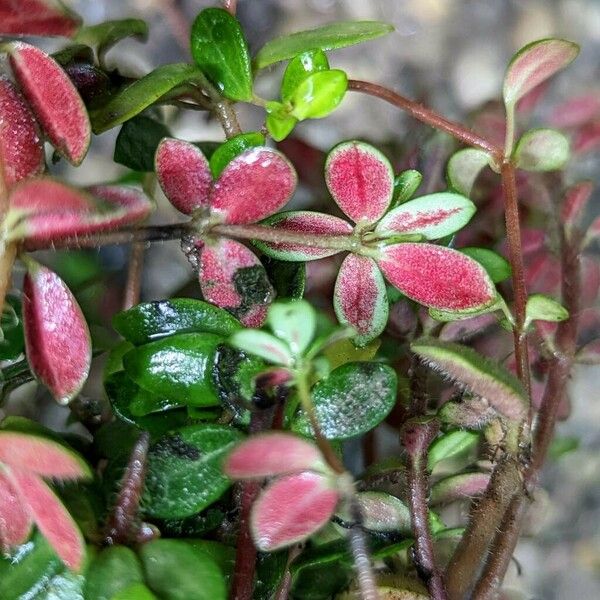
(263, 344)
(175, 571)
(137, 142)
(111, 571)
(152, 320)
(74, 53)
(280, 123)
(226, 152)
(105, 35)
(405, 185)
(293, 322)
(497, 267)
(449, 445)
(476, 373)
(464, 167)
(319, 94)
(12, 342)
(184, 470)
(328, 37)
(563, 445)
(299, 68)
(178, 367)
(141, 94)
(220, 50)
(136, 591)
(542, 150)
(288, 278)
(543, 308)
(354, 399)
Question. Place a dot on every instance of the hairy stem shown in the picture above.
(360, 554)
(135, 270)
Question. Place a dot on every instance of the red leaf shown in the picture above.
(41, 456)
(37, 17)
(360, 179)
(438, 277)
(574, 203)
(254, 185)
(360, 299)
(272, 454)
(183, 174)
(15, 522)
(54, 99)
(128, 204)
(313, 224)
(21, 149)
(586, 138)
(233, 278)
(52, 518)
(576, 111)
(57, 339)
(291, 509)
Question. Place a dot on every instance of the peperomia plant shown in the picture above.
(224, 425)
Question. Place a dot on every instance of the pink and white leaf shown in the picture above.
(41, 456)
(15, 521)
(361, 181)
(51, 517)
(21, 149)
(233, 278)
(291, 509)
(459, 487)
(576, 111)
(37, 17)
(360, 298)
(535, 63)
(253, 186)
(438, 277)
(433, 216)
(311, 224)
(54, 100)
(464, 167)
(383, 512)
(271, 454)
(57, 338)
(263, 344)
(183, 174)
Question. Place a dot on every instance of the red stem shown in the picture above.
(135, 269)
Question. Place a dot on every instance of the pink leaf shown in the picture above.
(254, 185)
(183, 174)
(15, 522)
(272, 454)
(574, 203)
(360, 299)
(41, 456)
(232, 277)
(535, 63)
(586, 138)
(459, 487)
(576, 111)
(57, 339)
(438, 277)
(37, 17)
(21, 150)
(313, 224)
(291, 509)
(54, 99)
(52, 518)
(128, 204)
(360, 179)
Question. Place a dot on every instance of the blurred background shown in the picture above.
(449, 54)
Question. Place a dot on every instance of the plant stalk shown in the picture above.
(135, 269)
(360, 554)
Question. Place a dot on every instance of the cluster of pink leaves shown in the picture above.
(37, 17)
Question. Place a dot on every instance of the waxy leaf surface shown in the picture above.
(405, 185)
(497, 267)
(360, 179)
(21, 149)
(234, 146)
(360, 298)
(464, 167)
(542, 150)
(54, 100)
(272, 454)
(263, 344)
(449, 445)
(293, 322)
(319, 94)
(290, 509)
(55, 327)
(299, 68)
(544, 308)
(183, 174)
(438, 277)
(37, 17)
(309, 223)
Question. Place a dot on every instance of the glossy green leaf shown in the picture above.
(263, 344)
(327, 37)
(405, 185)
(137, 142)
(279, 121)
(136, 591)
(294, 323)
(185, 470)
(141, 94)
(178, 367)
(451, 444)
(497, 267)
(152, 320)
(299, 68)
(543, 308)
(175, 571)
(226, 152)
(288, 278)
(112, 570)
(354, 399)
(319, 94)
(105, 35)
(220, 50)
(12, 340)
(542, 150)
(74, 53)
(464, 167)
